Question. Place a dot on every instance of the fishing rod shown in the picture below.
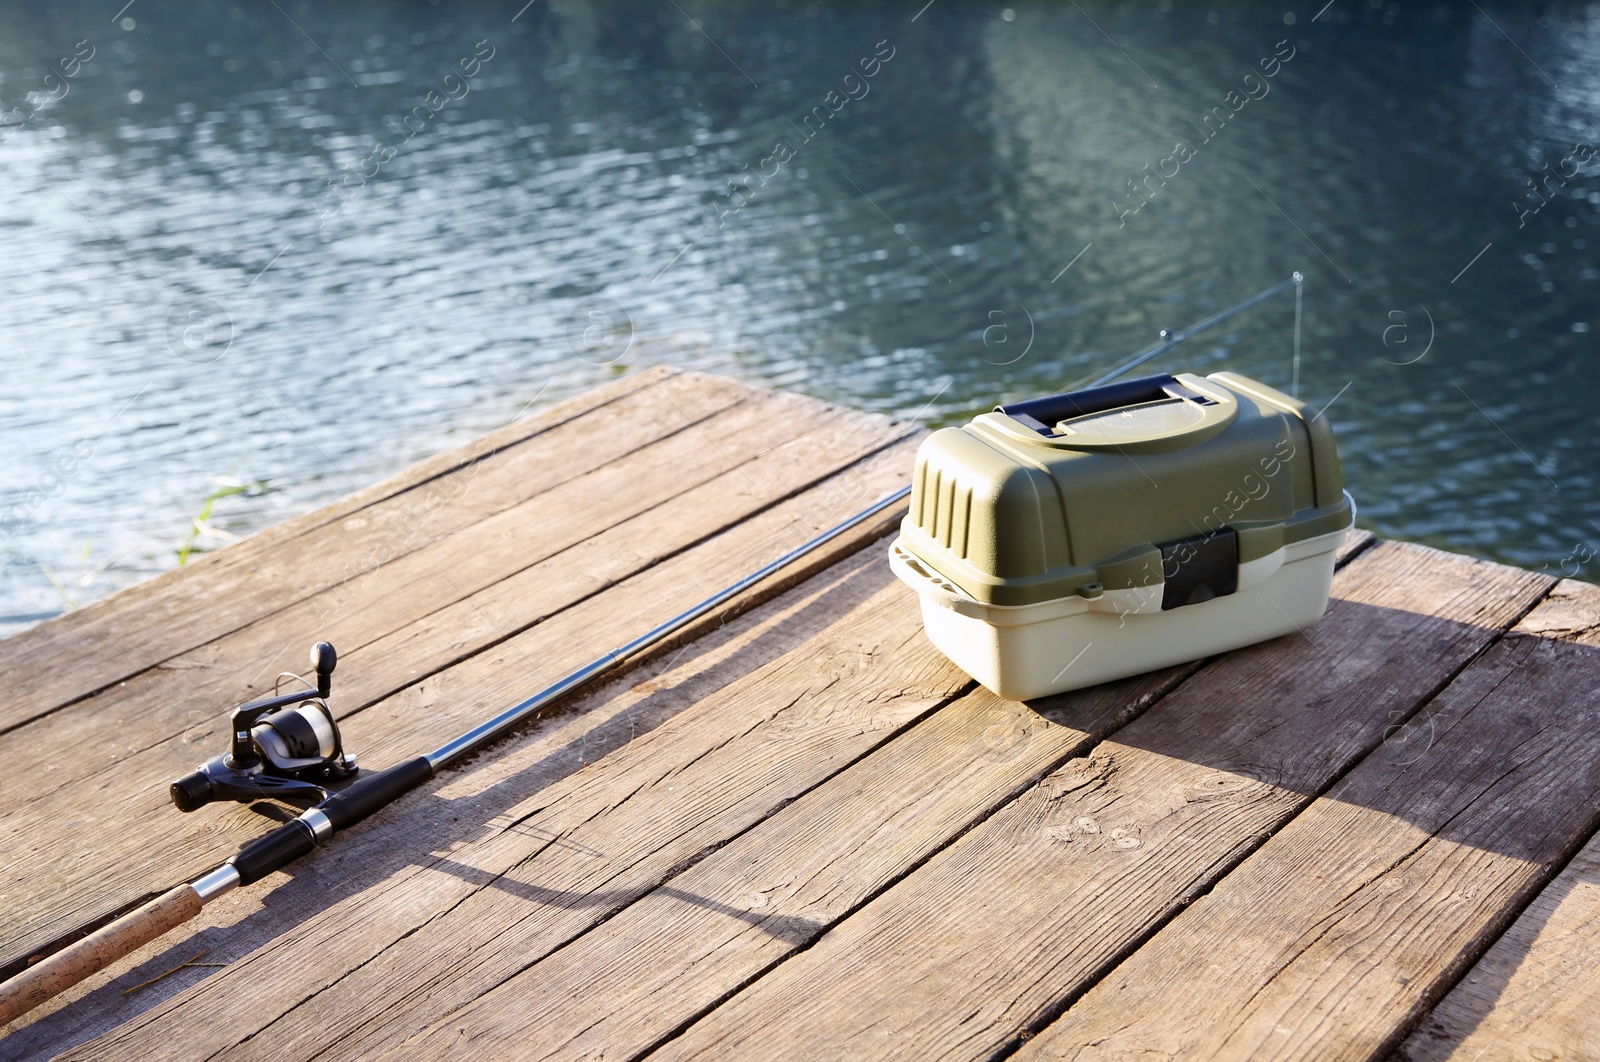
(244, 775)
(288, 747)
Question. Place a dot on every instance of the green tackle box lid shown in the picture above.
(1089, 490)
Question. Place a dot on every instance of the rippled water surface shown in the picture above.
(289, 244)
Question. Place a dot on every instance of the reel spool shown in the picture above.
(285, 747)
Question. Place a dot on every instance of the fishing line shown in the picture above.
(1170, 339)
(1294, 386)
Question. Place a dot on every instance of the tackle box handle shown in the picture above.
(1041, 413)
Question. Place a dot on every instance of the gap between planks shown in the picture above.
(951, 961)
(1334, 936)
(724, 558)
(783, 490)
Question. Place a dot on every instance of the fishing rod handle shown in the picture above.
(258, 858)
(54, 975)
(367, 795)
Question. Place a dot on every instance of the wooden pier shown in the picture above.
(799, 832)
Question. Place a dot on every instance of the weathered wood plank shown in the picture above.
(467, 804)
(91, 649)
(631, 981)
(990, 936)
(1332, 938)
(143, 842)
(1534, 995)
(594, 841)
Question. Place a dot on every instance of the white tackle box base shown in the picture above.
(1025, 651)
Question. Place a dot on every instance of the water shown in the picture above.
(187, 301)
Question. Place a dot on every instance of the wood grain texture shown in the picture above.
(625, 985)
(671, 955)
(1534, 994)
(1331, 939)
(595, 892)
(58, 848)
(95, 952)
(90, 649)
(1033, 906)
(466, 805)
(587, 846)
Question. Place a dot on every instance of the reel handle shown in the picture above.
(323, 661)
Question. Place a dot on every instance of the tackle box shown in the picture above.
(1070, 540)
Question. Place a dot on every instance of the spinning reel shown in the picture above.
(285, 747)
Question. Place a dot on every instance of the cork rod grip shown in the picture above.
(100, 949)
